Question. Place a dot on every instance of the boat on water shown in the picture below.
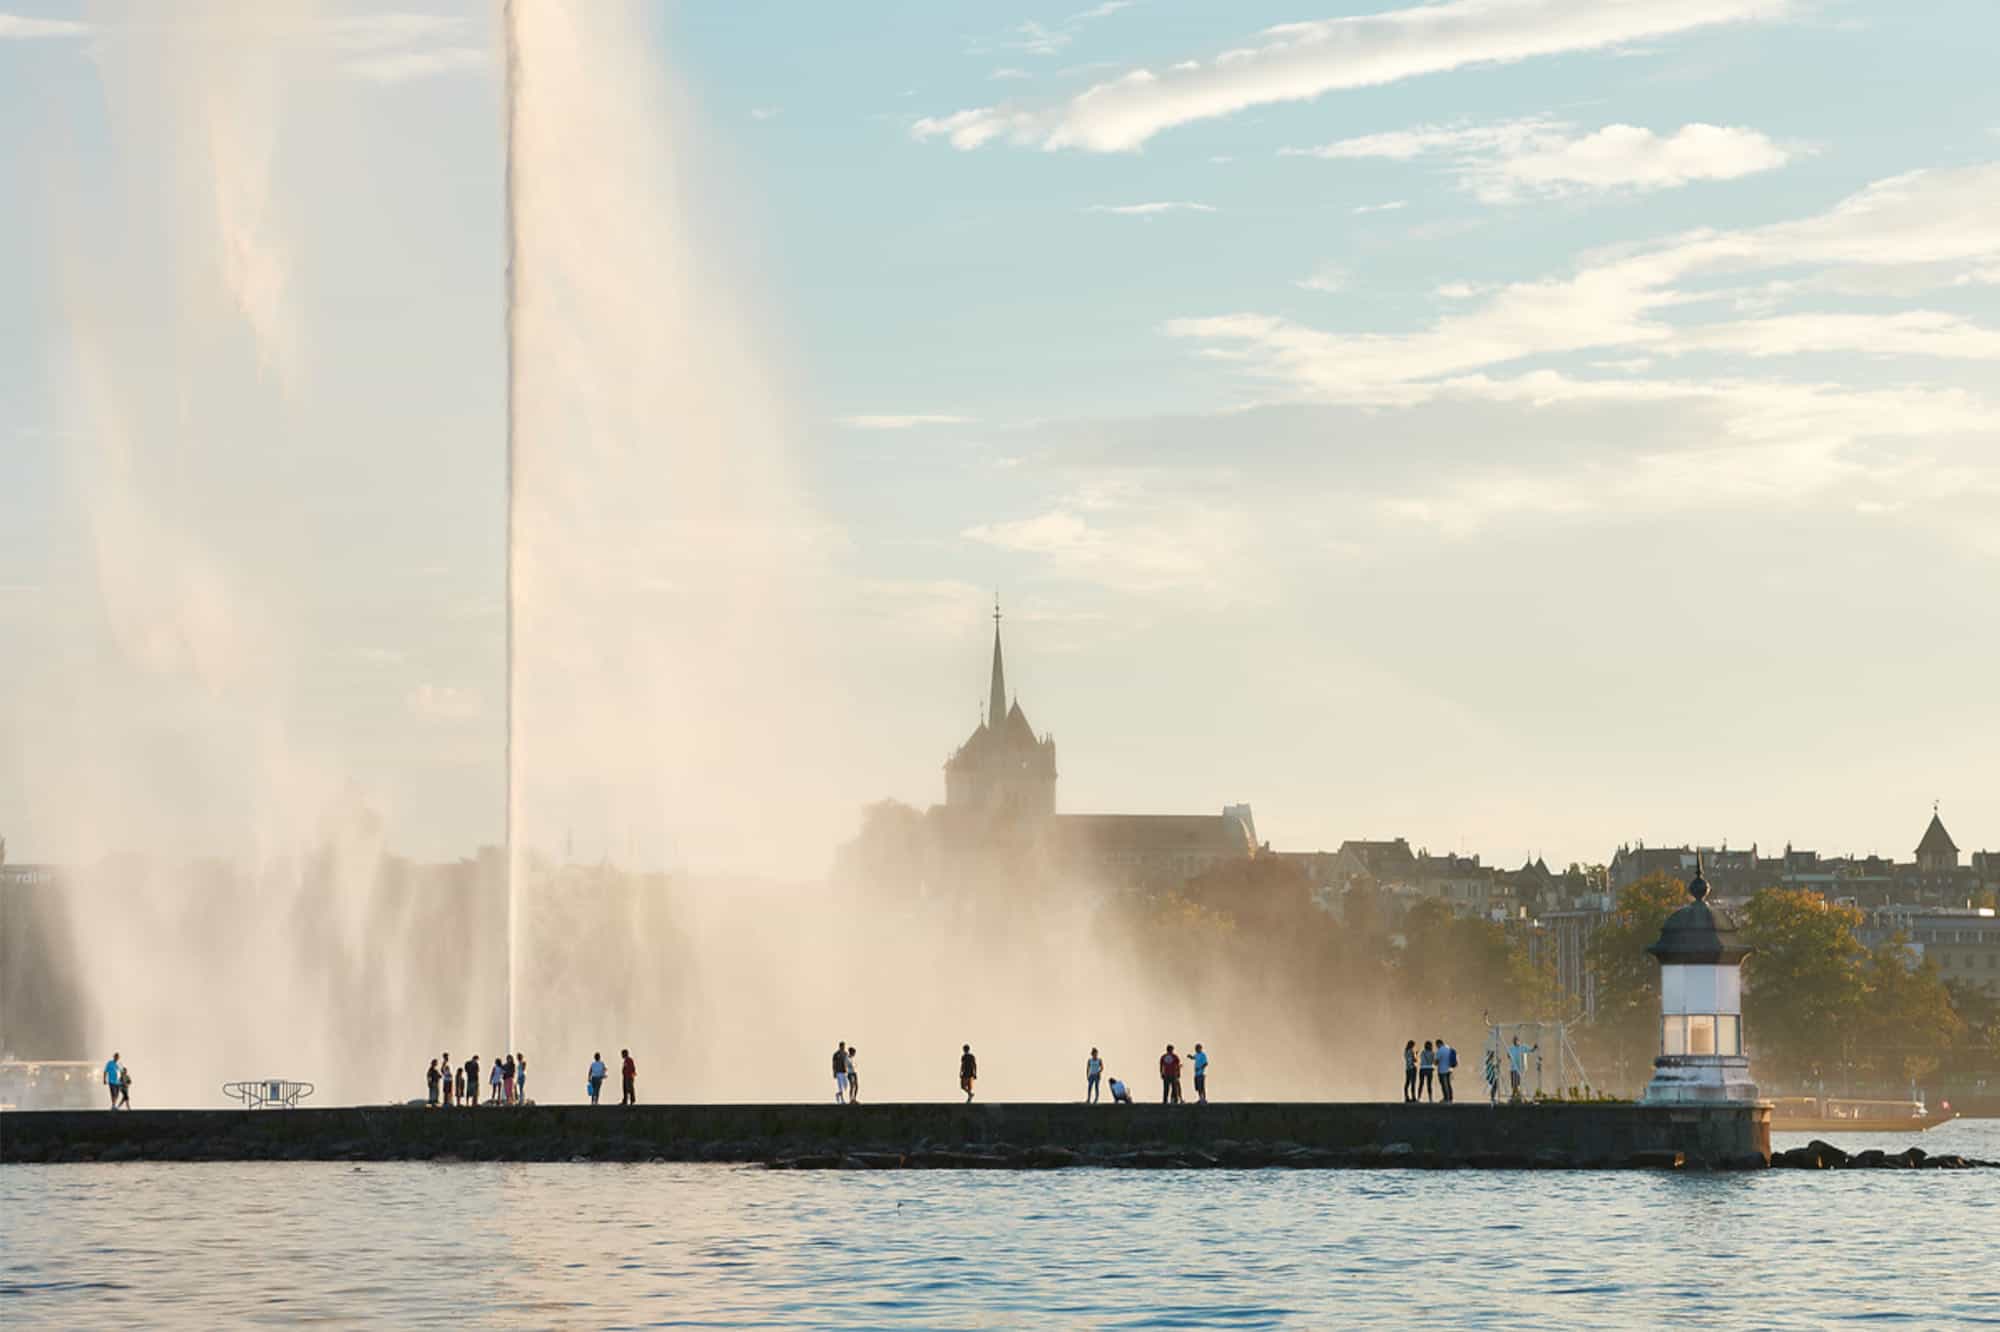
(1849, 1114)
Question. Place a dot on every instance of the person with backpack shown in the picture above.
(840, 1073)
(1093, 1068)
(968, 1072)
(1170, 1078)
(1447, 1060)
(630, 1073)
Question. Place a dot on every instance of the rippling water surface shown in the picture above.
(637, 1245)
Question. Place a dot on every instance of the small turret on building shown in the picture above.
(1937, 853)
(1003, 769)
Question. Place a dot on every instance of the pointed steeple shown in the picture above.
(996, 707)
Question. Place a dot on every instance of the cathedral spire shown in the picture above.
(996, 707)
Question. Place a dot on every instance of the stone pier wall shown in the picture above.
(983, 1135)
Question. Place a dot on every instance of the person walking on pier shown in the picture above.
(432, 1079)
(1409, 1071)
(1447, 1060)
(111, 1078)
(853, 1079)
(968, 1072)
(840, 1072)
(1093, 1069)
(448, 1084)
(1426, 1068)
(1170, 1078)
(594, 1080)
(629, 1072)
(1200, 1074)
(125, 1086)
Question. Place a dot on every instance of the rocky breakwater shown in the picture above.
(1281, 1134)
(1817, 1155)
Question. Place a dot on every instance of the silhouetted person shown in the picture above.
(1426, 1069)
(1093, 1069)
(432, 1078)
(458, 1084)
(472, 1081)
(449, 1082)
(1409, 1071)
(594, 1080)
(496, 1082)
(507, 1077)
(968, 1073)
(630, 1074)
(1447, 1061)
(1170, 1077)
(1200, 1073)
(125, 1086)
(111, 1078)
(840, 1072)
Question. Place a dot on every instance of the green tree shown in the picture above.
(1907, 1022)
(1804, 983)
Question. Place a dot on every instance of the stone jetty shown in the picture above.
(1312, 1135)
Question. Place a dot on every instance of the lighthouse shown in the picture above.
(1701, 1056)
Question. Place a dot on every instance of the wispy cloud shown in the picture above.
(397, 47)
(1327, 278)
(1009, 72)
(1925, 220)
(766, 112)
(1389, 207)
(1150, 209)
(902, 421)
(1302, 61)
(401, 66)
(14, 27)
(1515, 159)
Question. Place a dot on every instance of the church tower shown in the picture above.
(1003, 770)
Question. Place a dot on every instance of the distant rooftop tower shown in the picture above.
(1937, 853)
(996, 706)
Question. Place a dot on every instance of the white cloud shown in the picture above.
(1361, 210)
(904, 421)
(1150, 209)
(1301, 61)
(1133, 541)
(1035, 39)
(1925, 219)
(1514, 159)
(1105, 10)
(401, 66)
(1010, 73)
(766, 112)
(14, 27)
(1327, 278)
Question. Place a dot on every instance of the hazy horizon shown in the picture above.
(1576, 436)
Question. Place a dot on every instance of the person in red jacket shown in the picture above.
(1170, 1077)
(631, 1076)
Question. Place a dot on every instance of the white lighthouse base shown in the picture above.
(1699, 1080)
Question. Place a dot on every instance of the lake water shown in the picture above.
(707, 1246)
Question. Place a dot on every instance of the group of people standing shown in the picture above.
(450, 1085)
(847, 1078)
(1170, 1075)
(1428, 1071)
(118, 1081)
(628, 1073)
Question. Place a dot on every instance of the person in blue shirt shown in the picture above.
(1200, 1074)
(1517, 1064)
(112, 1078)
(1093, 1069)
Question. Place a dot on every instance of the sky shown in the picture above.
(1523, 426)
